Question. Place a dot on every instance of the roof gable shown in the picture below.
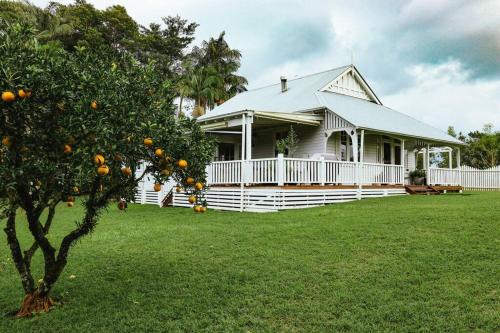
(351, 83)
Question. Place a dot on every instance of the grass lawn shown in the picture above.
(413, 263)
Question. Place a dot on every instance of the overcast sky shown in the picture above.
(436, 60)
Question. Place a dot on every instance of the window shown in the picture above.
(397, 155)
(226, 152)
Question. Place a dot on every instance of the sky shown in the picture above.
(436, 60)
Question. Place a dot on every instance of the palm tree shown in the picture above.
(203, 85)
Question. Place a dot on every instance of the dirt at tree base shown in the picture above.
(34, 303)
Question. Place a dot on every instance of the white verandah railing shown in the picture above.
(282, 171)
(467, 177)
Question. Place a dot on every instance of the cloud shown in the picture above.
(445, 95)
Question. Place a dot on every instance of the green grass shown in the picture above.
(415, 263)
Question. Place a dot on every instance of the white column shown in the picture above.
(450, 159)
(249, 122)
(403, 169)
(458, 157)
(427, 163)
(242, 166)
(362, 148)
(280, 168)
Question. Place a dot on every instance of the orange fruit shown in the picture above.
(6, 141)
(70, 204)
(70, 199)
(67, 149)
(103, 170)
(76, 189)
(126, 172)
(198, 186)
(93, 105)
(23, 94)
(178, 189)
(99, 159)
(8, 96)
(192, 199)
(148, 142)
(157, 187)
(166, 172)
(189, 181)
(203, 209)
(159, 152)
(182, 164)
(197, 209)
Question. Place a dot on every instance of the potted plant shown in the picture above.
(417, 177)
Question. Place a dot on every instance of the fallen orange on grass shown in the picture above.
(197, 209)
(93, 105)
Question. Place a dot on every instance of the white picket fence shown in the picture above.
(467, 177)
(281, 170)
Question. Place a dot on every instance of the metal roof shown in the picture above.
(304, 95)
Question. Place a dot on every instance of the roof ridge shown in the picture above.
(302, 77)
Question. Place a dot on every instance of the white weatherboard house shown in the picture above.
(350, 145)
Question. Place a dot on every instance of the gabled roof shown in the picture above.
(308, 94)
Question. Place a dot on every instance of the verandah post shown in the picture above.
(242, 162)
(322, 171)
(280, 168)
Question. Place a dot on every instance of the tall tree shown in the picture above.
(483, 148)
(78, 124)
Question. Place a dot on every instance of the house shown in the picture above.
(350, 146)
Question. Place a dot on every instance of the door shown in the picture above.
(387, 153)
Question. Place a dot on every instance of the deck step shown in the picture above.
(421, 189)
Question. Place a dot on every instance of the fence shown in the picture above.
(468, 177)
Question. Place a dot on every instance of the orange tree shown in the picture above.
(79, 125)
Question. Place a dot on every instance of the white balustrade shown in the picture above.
(303, 171)
(442, 176)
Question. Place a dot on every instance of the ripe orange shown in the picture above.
(182, 164)
(159, 152)
(198, 186)
(67, 149)
(70, 199)
(157, 187)
(103, 170)
(99, 159)
(70, 204)
(23, 94)
(6, 141)
(203, 209)
(76, 189)
(126, 172)
(192, 199)
(93, 105)
(178, 189)
(8, 96)
(197, 209)
(189, 181)
(148, 142)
